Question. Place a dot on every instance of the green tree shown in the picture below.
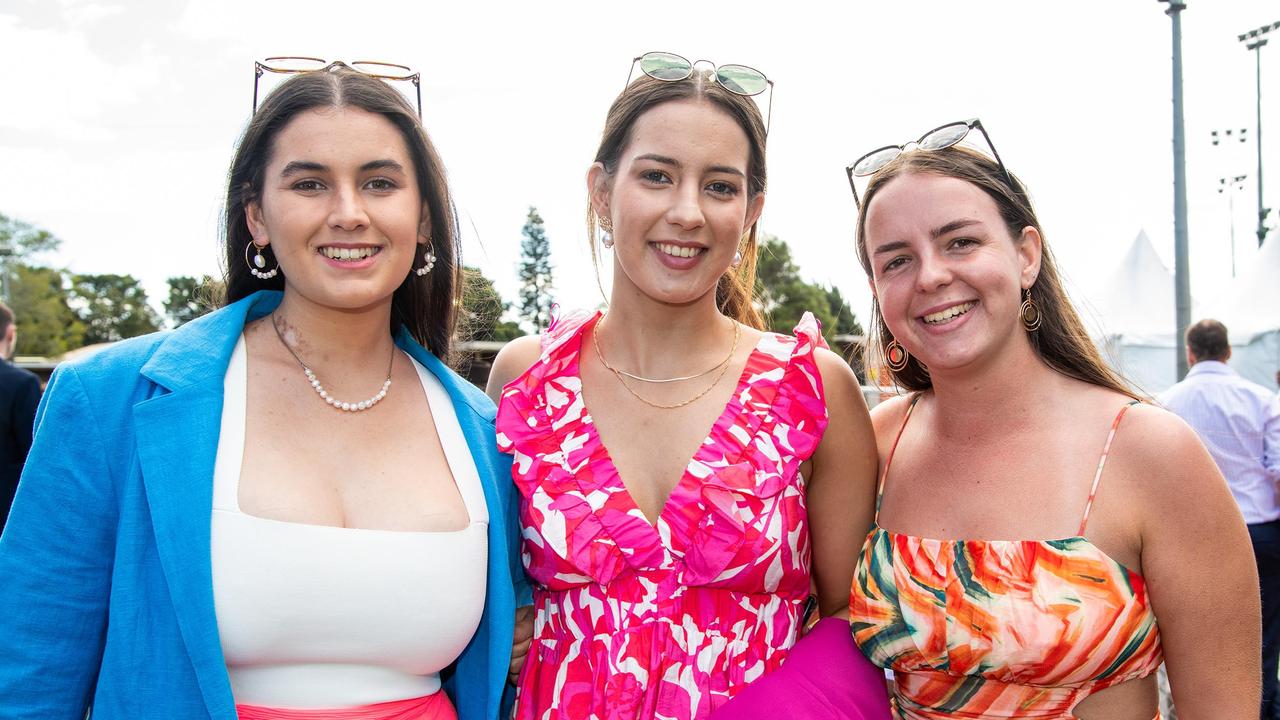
(482, 309)
(112, 307)
(46, 323)
(845, 321)
(784, 296)
(23, 240)
(535, 273)
(190, 297)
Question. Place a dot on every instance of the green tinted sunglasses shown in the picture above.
(737, 79)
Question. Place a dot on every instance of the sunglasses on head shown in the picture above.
(938, 138)
(737, 79)
(292, 64)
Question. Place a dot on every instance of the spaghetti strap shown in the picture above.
(1102, 461)
(884, 474)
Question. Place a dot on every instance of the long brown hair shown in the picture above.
(424, 305)
(733, 291)
(1061, 341)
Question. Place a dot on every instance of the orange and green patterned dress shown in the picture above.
(988, 629)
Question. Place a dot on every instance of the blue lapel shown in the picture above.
(176, 433)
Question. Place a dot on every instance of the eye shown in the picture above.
(721, 187)
(657, 177)
(308, 186)
(894, 264)
(382, 184)
(963, 242)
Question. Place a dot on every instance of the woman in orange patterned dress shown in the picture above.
(1042, 539)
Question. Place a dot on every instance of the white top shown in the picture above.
(314, 616)
(1239, 423)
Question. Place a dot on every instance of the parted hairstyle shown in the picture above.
(1061, 341)
(735, 287)
(1207, 340)
(424, 305)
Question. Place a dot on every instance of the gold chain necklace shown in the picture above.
(622, 375)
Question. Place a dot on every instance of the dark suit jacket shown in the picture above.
(19, 396)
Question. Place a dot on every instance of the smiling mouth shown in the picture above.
(679, 251)
(349, 254)
(943, 316)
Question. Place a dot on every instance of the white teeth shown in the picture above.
(679, 251)
(949, 313)
(360, 253)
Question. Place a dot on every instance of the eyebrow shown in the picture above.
(664, 160)
(304, 166)
(952, 227)
(935, 234)
(891, 247)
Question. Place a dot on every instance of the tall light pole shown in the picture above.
(1229, 185)
(1254, 40)
(1181, 269)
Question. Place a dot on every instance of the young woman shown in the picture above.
(684, 475)
(289, 508)
(1043, 540)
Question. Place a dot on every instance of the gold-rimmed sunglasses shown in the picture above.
(291, 64)
(737, 79)
(943, 136)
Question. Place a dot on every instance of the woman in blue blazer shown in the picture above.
(118, 581)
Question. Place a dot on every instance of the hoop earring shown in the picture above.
(259, 262)
(896, 356)
(1029, 312)
(429, 261)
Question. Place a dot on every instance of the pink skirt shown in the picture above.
(435, 706)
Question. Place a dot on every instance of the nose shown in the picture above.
(686, 208)
(348, 211)
(933, 272)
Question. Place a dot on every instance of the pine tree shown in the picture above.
(535, 273)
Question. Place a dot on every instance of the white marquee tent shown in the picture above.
(1134, 318)
(1251, 312)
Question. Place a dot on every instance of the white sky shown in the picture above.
(119, 118)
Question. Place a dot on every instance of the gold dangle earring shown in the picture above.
(896, 356)
(1029, 312)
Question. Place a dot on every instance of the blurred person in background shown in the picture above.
(1239, 423)
(19, 396)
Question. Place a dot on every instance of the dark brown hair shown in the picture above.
(733, 291)
(1061, 341)
(1207, 340)
(424, 305)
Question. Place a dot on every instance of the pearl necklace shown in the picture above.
(324, 394)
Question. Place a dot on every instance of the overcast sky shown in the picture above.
(119, 118)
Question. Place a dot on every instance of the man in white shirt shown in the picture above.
(1239, 423)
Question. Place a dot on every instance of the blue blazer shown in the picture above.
(106, 594)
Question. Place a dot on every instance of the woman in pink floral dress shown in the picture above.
(686, 478)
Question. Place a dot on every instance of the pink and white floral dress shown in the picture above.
(668, 620)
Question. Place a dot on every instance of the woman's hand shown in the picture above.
(520, 641)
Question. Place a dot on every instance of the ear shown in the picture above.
(424, 232)
(599, 189)
(754, 208)
(257, 226)
(1030, 247)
